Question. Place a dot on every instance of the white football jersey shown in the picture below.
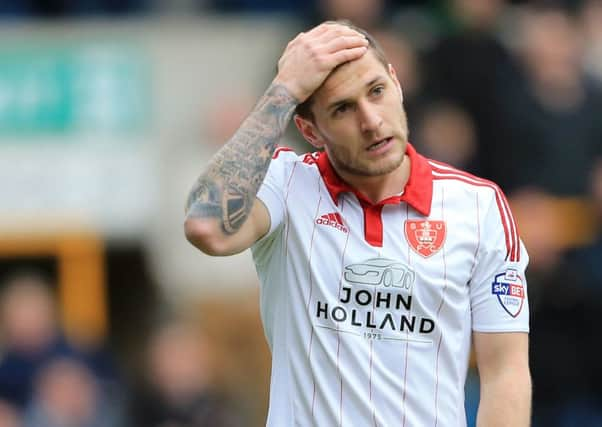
(368, 309)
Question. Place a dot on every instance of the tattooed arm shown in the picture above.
(223, 196)
(222, 217)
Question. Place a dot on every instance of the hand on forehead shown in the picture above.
(333, 28)
(311, 56)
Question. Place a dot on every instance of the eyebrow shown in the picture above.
(338, 103)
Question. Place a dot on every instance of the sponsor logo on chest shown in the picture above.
(376, 302)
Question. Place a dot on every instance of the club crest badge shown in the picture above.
(425, 237)
(510, 291)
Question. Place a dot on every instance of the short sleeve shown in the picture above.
(271, 192)
(498, 288)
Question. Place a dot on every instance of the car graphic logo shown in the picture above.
(380, 271)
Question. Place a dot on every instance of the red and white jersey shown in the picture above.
(369, 309)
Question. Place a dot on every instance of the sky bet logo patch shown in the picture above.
(510, 291)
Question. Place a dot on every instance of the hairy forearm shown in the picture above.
(506, 401)
(227, 188)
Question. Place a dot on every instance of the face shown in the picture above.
(359, 119)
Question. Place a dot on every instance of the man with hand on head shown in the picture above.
(378, 267)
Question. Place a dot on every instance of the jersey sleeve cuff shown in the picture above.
(273, 204)
(497, 329)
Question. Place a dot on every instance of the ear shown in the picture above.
(393, 75)
(309, 131)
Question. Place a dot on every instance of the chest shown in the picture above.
(346, 248)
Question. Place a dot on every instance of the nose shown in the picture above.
(370, 118)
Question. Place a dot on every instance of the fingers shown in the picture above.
(326, 32)
(326, 26)
(310, 57)
(345, 42)
(340, 45)
(336, 31)
(331, 38)
(347, 55)
(320, 29)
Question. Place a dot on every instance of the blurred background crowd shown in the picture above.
(109, 110)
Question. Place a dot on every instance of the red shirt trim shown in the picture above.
(418, 192)
(280, 149)
(444, 171)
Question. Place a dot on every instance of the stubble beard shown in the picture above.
(370, 168)
(355, 168)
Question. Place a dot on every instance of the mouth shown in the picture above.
(379, 144)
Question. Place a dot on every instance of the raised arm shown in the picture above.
(222, 199)
(222, 217)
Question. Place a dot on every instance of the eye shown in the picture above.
(378, 90)
(341, 109)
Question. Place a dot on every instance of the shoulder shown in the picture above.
(286, 160)
(288, 155)
(447, 175)
(486, 194)
(495, 209)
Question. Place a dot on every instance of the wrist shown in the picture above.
(293, 90)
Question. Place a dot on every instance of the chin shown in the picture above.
(386, 168)
(380, 168)
(388, 164)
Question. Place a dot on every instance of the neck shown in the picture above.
(377, 188)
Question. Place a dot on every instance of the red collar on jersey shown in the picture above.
(418, 191)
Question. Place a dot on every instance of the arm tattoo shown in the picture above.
(227, 189)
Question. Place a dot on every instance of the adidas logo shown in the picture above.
(334, 220)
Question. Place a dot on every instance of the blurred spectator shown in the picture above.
(565, 323)
(297, 6)
(554, 140)
(62, 8)
(9, 415)
(68, 395)
(591, 19)
(541, 228)
(31, 336)
(554, 154)
(404, 58)
(178, 391)
(553, 114)
(258, 6)
(447, 133)
(465, 67)
(366, 14)
(566, 301)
